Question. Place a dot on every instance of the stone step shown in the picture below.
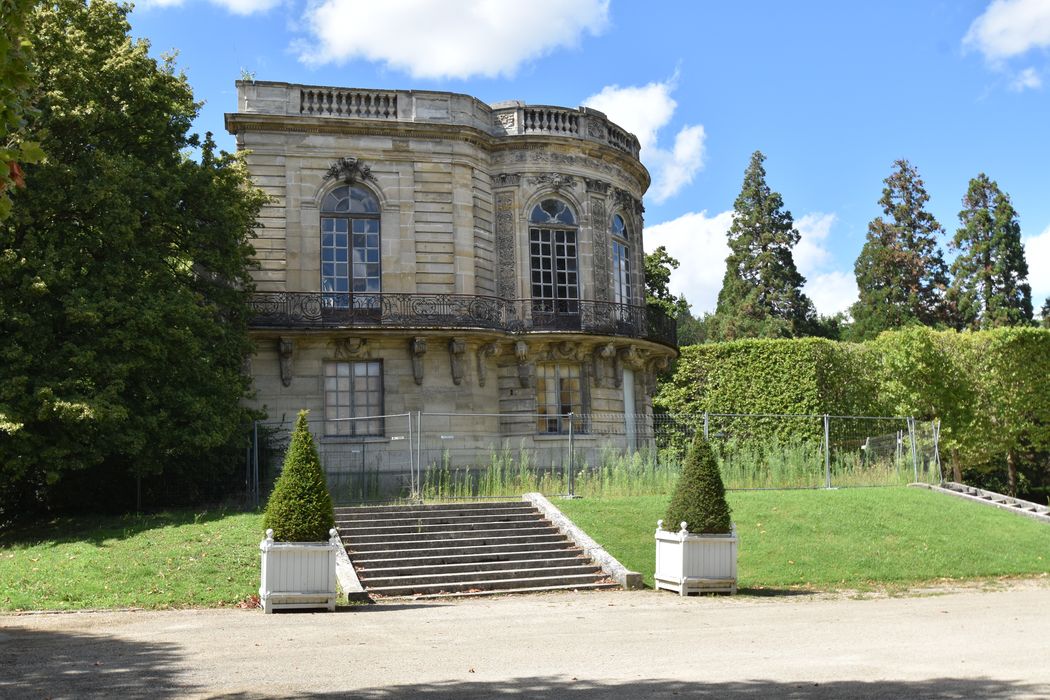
(370, 573)
(469, 505)
(481, 553)
(415, 514)
(542, 528)
(480, 559)
(484, 584)
(508, 516)
(509, 591)
(357, 548)
(437, 530)
(488, 577)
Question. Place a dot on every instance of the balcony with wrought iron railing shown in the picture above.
(320, 310)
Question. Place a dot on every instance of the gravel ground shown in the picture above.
(934, 643)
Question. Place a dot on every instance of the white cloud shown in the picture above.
(810, 254)
(832, 291)
(460, 39)
(644, 111)
(1027, 79)
(1010, 28)
(237, 7)
(698, 241)
(1037, 253)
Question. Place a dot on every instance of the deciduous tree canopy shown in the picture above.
(123, 272)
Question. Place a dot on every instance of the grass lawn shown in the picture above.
(174, 559)
(848, 539)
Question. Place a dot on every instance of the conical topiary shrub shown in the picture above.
(300, 507)
(699, 497)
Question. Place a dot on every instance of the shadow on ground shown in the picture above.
(47, 664)
(586, 690)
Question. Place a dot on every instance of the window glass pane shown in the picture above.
(362, 201)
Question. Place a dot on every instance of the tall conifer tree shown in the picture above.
(761, 292)
(901, 272)
(989, 287)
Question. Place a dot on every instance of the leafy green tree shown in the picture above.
(124, 272)
(989, 287)
(699, 497)
(658, 267)
(300, 507)
(1045, 313)
(16, 81)
(901, 272)
(761, 294)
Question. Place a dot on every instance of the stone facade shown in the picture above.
(455, 323)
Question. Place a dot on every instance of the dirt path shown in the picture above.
(966, 643)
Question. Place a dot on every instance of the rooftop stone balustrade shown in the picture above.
(501, 119)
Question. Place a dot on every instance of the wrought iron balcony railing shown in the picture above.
(440, 311)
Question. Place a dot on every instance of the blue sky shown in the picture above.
(831, 92)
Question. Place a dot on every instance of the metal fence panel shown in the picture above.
(448, 456)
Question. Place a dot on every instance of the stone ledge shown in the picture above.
(610, 565)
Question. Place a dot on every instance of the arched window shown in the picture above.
(350, 267)
(555, 271)
(621, 262)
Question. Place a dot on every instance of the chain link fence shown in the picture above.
(449, 456)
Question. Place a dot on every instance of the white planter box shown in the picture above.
(690, 563)
(298, 575)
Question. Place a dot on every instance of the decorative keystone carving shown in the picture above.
(601, 357)
(285, 351)
(627, 201)
(418, 347)
(597, 186)
(456, 348)
(556, 181)
(351, 348)
(629, 356)
(349, 170)
(506, 180)
(521, 353)
(565, 350)
(485, 352)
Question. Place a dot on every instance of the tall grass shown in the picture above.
(612, 473)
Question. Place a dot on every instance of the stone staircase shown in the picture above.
(463, 549)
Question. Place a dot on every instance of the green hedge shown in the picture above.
(989, 389)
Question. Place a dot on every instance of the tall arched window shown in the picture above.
(621, 262)
(555, 271)
(350, 271)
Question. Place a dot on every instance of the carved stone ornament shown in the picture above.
(565, 350)
(506, 180)
(350, 348)
(597, 186)
(596, 129)
(485, 352)
(349, 170)
(456, 348)
(626, 201)
(521, 353)
(418, 347)
(629, 356)
(285, 351)
(602, 250)
(506, 120)
(556, 181)
(506, 282)
(600, 359)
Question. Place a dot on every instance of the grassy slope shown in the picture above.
(853, 538)
(177, 559)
